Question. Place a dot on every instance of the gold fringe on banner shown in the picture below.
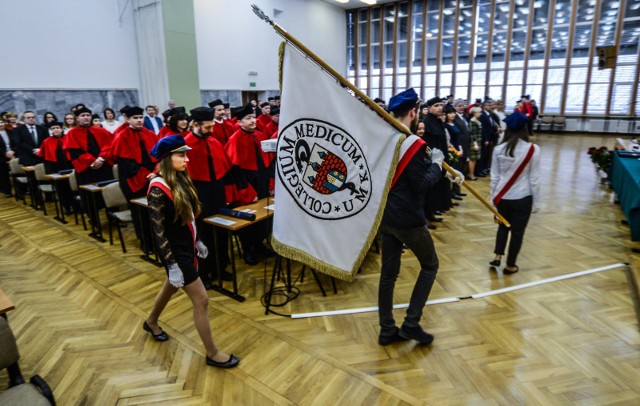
(280, 63)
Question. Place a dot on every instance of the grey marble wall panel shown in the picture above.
(60, 101)
(233, 97)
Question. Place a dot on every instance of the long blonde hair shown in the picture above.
(185, 199)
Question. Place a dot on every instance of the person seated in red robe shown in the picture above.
(272, 127)
(177, 123)
(55, 161)
(208, 165)
(88, 148)
(264, 118)
(222, 129)
(130, 150)
(250, 165)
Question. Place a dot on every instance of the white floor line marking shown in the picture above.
(457, 299)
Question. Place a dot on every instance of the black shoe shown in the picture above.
(461, 194)
(162, 336)
(456, 197)
(431, 226)
(250, 259)
(438, 213)
(506, 271)
(495, 262)
(434, 219)
(481, 175)
(231, 363)
(455, 204)
(8, 195)
(394, 338)
(416, 333)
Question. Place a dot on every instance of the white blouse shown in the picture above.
(528, 183)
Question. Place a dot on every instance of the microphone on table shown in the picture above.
(235, 213)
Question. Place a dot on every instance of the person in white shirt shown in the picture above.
(110, 123)
(499, 111)
(515, 187)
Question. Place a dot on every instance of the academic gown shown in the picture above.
(262, 122)
(83, 146)
(222, 131)
(130, 150)
(252, 163)
(51, 152)
(55, 160)
(208, 165)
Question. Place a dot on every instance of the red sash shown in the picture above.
(515, 176)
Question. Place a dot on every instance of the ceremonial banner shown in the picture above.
(335, 161)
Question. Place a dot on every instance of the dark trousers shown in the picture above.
(419, 241)
(5, 178)
(517, 212)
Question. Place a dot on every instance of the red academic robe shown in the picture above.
(166, 131)
(222, 131)
(134, 163)
(53, 156)
(262, 122)
(241, 149)
(76, 145)
(271, 130)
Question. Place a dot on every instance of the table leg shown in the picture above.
(219, 288)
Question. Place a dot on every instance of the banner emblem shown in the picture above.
(323, 168)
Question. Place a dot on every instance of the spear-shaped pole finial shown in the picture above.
(261, 14)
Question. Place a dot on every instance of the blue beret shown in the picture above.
(516, 120)
(402, 100)
(168, 145)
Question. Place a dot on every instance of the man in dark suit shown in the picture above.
(28, 139)
(152, 121)
(489, 137)
(6, 154)
(465, 133)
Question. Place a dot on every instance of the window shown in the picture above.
(430, 43)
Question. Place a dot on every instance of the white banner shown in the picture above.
(335, 160)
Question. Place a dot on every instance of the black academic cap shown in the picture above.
(54, 124)
(226, 105)
(81, 110)
(201, 114)
(271, 98)
(276, 97)
(131, 111)
(275, 111)
(243, 111)
(216, 102)
(434, 100)
(265, 104)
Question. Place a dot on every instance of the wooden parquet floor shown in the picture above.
(80, 306)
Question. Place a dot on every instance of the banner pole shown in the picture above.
(374, 106)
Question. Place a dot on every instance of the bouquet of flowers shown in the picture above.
(454, 155)
(601, 157)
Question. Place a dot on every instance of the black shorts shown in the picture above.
(188, 268)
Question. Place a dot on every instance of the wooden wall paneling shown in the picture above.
(454, 55)
(409, 42)
(424, 49)
(507, 56)
(487, 73)
(474, 18)
(527, 48)
(439, 49)
(572, 31)
(395, 49)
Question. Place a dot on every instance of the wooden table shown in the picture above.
(55, 178)
(263, 209)
(5, 303)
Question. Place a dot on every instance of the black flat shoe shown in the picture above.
(232, 362)
(495, 262)
(461, 194)
(456, 197)
(434, 219)
(510, 271)
(158, 337)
